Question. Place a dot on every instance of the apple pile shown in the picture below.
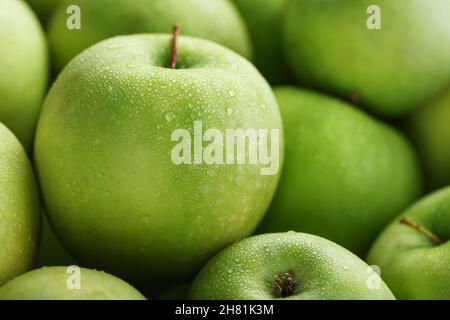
(263, 149)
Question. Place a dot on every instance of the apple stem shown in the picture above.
(173, 53)
(285, 285)
(355, 98)
(435, 239)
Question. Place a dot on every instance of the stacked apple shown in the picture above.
(168, 160)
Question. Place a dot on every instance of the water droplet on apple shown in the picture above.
(291, 232)
(169, 117)
(230, 111)
(110, 88)
(232, 93)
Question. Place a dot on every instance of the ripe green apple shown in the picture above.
(429, 129)
(332, 45)
(288, 266)
(104, 147)
(215, 20)
(68, 283)
(264, 20)
(346, 175)
(43, 8)
(51, 252)
(19, 208)
(23, 69)
(413, 252)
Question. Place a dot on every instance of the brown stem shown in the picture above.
(173, 53)
(435, 239)
(355, 98)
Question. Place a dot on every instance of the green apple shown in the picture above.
(51, 252)
(104, 155)
(429, 129)
(23, 69)
(215, 20)
(43, 8)
(346, 175)
(68, 283)
(264, 20)
(19, 208)
(335, 45)
(413, 252)
(288, 266)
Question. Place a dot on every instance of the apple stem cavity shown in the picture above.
(435, 239)
(174, 50)
(285, 285)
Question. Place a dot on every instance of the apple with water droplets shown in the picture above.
(294, 266)
(117, 194)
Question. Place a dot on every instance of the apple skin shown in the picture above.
(330, 47)
(214, 20)
(19, 208)
(411, 264)
(23, 69)
(346, 175)
(103, 156)
(322, 270)
(429, 129)
(264, 19)
(50, 283)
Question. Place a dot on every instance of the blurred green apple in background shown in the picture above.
(264, 20)
(332, 45)
(23, 69)
(429, 129)
(104, 145)
(413, 253)
(19, 208)
(288, 266)
(68, 283)
(346, 175)
(215, 20)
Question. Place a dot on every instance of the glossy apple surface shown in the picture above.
(23, 69)
(287, 266)
(214, 20)
(103, 153)
(331, 46)
(19, 208)
(414, 257)
(64, 283)
(346, 174)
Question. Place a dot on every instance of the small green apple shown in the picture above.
(429, 129)
(104, 146)
(288, 266)
(264, 20)
(346, 175)
(336, 45)
(68, 283)
(23, 69)
(413, 253)
(215, 20)
(19, 208)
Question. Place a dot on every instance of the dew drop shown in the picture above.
(169, 117)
